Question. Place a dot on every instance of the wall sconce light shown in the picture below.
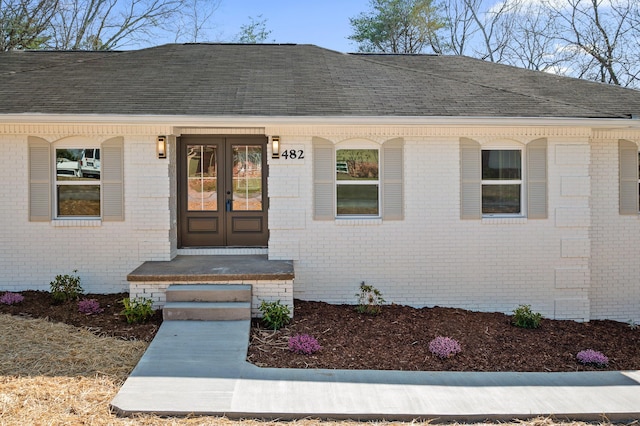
(161, 146)
(275, 146)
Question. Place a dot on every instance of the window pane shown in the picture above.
(357, 200)
(77, 164)
(202, 178)
(357, 164)
(498, 199)
(247, 178)
(501, 164)
(78, 200)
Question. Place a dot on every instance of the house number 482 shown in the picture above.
(293, 154)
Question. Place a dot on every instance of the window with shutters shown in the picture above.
(73, 179)
(503, 179)
(359, 179)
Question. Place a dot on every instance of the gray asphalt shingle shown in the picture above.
(293, 80)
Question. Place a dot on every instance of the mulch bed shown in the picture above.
(39, 304)
(398, 339)
(395, 339)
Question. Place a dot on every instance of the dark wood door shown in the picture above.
(222, 194)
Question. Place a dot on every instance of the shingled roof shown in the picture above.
(295, 81)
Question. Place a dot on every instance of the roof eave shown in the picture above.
(262, 121)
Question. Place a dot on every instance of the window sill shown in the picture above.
(77, 223)
(503, 220)
(374, 221)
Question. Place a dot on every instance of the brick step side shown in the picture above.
(207, 311)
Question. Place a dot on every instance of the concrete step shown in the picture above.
(206, 311)
(209, 293)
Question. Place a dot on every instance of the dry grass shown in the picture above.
(54, 374)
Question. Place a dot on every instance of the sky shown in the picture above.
(324, 23)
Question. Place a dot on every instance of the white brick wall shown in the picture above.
(103, 253)
(580, 263)
(615, 242)
(434, 258)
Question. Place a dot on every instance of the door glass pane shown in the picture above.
(247, 178)
(202, 178)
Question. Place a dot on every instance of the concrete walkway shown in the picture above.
(199, 368)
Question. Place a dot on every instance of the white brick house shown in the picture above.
(491, 186)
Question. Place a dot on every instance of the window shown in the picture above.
(358, 178)
(77, 182)
(72, 181)
(357, 182)
(501, 181)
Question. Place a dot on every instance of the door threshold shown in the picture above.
(195, 251)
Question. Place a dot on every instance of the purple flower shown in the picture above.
(444, 347)
(89, 306)
(11, 298)
(303, 344)
(590, 356)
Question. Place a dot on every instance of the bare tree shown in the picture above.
(478, 29)
(194, 21)
(109, 24)
(459, 30)
(603, 35)
(23, 23)
(533, 42)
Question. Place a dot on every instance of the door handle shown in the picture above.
(228, 205)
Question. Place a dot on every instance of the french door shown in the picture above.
(222, 194)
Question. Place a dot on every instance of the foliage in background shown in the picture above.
(524, 317)
(304, 344)
(66, 287)
(24, 23)
(100, 24)
(254, 32)
(137, 310)
(275, 315)
(11, 298)
(444, 347)
(396, 26)
(370, 300)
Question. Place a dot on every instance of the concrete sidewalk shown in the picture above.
(199, 368)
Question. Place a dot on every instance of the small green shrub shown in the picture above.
(275, 315)
(370, 300)
(66, 287)
(523, 317)
(137, 310)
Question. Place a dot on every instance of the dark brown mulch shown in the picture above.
(39, 304)
(398, 339)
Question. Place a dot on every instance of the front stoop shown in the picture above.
(208, 302)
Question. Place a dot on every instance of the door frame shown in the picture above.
(227, 229)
